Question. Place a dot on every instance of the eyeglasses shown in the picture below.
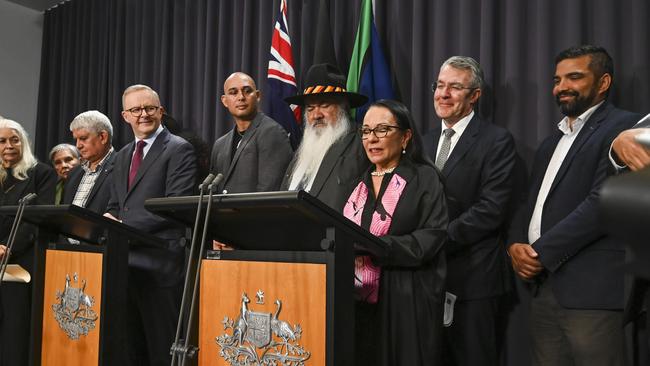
(380, 131)
(455, 87)
(148, 109)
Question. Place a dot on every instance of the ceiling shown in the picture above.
(40, 5)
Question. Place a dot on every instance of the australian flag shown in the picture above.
(282, 80)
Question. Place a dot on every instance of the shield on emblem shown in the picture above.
(71, 298)
(258, 331)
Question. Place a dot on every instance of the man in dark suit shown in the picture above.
(88, 185)
(556, 241)
(254, 155)
(330, 158)
(156, 164)
(477, 161)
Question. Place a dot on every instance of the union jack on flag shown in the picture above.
(282, 79)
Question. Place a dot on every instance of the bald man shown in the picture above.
(254, 155)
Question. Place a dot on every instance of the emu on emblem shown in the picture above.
(73, 312)
(256, 330)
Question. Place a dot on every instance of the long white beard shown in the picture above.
(316, 141)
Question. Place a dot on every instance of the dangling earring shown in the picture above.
(403, 150)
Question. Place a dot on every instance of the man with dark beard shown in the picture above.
(556, 242)
(330, 158)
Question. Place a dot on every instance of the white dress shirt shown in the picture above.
(459, 127)
(561, 150)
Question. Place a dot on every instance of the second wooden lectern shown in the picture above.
(285, 295)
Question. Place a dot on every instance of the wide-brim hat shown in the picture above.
(326, 80)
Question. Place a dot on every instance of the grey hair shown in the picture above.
(93, 121)
(27, 160)
(60, 147)
(467, 63)
(138, 87)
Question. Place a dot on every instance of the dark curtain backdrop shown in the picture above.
(93, 49)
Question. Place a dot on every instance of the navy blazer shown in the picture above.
(260, 161)
(168, 170)
(101, 191)
(478, 179)
(584, 265)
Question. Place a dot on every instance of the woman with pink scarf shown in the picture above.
(400, 199)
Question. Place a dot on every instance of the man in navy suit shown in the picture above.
(556, 243)
(477, 161)
(156, 164)
(88, 185)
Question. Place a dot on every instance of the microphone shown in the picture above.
(215, 182)
(181, 348)
(207, 181)
(14, 230)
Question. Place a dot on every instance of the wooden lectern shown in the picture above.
(79, 290)
(286, 293)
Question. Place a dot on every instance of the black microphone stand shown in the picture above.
(177, 349)
(181, 348)
(12, 233)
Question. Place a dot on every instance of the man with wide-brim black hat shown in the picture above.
(330, 158)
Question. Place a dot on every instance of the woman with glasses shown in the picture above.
(399, 199)
(20, 174)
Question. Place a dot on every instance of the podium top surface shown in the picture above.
(288, 220)
(78, 223)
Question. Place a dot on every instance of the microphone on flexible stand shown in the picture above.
(186, 348)
(178, 350)
(14, 230)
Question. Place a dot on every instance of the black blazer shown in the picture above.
(259, 163)
(339, 172)
(101, 191)
(584, 265)
(479, 179)
(167, 170)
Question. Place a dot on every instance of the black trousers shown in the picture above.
(474, 338)
(152, 317)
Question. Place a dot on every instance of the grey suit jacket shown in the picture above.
(167, 170)
(339, 172)
(260, 161)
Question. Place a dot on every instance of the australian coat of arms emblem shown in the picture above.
(73, 311)
(259, 338)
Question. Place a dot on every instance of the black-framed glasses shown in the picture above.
(148, 109)
(380, 131)
(454, 87)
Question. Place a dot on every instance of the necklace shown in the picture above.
(381, 173)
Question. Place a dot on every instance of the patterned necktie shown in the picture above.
(444, 149)
(137, 159)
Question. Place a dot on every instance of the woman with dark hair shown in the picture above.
(20, 174)
(399, 307)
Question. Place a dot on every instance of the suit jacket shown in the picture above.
(167, 170)
(584, 265)
(101, 191)
(260, 161)
(479, 179)
(339, 172)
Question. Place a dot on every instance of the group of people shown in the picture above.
(455, 218)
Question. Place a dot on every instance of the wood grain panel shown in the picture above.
(299, 286)
(57, 348)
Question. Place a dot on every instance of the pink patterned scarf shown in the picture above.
(366, 273)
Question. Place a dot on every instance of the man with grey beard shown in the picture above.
(330, 158)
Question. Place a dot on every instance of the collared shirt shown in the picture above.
(149, 140)
(88, 180)
(458, 127)
(561, 150)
